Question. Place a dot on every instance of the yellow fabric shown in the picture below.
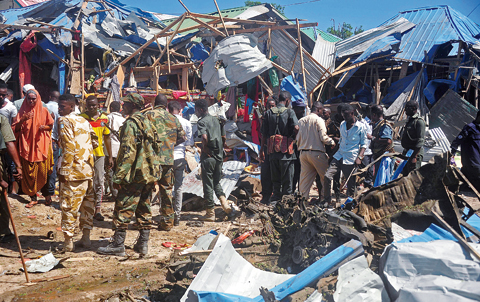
(35, 174)
(99, 125)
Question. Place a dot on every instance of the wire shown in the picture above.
(473, 10)
(301, 3)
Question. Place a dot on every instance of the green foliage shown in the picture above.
(278, 7)
(344, 31)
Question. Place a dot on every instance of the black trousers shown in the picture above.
(282, 178)
(266, 179)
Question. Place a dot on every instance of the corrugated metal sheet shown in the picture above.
(434, 26)
(451, 113)
(360, 42)
(440, 138)
(324, 53)
(285, 49)
(231, 171)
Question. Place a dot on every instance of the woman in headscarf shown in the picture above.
(32, 127)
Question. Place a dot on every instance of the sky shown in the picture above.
(365, 13)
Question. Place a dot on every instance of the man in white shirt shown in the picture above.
(353, 141)
(311, 140)
(7, 109)
(115, 122)
(179, 163)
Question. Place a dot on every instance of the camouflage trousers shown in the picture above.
(133, 199)
(166, 197)
(77, 196)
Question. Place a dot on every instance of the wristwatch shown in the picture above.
(360, 157)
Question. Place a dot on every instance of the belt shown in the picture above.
(312, 150)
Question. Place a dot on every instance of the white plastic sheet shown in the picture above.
(357, 283)
(440, 271)
(227, 271)
(42, 265)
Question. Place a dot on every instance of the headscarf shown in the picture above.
(33, 144)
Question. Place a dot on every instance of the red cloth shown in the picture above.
(24, 66)
(246, 116)
(178, 93)
(255, 128)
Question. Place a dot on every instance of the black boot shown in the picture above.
(141, 246)
(117, 246)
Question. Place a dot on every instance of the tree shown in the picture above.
(344, 31)
(278, 7)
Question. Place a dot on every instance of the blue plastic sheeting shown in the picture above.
(432, 86)
(397, 88)
(199, 52)
(384, 174)
(435, 25)
(327, 264)
(379, 48)
(292, 86)
(45, 44)
(401, 166)
(433, 232)
(474, 221)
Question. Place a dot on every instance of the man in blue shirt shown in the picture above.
(353, 141)
(469, 140)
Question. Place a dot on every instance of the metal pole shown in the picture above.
(16, 235)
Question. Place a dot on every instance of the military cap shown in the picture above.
(135, 99)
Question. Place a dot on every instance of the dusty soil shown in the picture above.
(85, 275)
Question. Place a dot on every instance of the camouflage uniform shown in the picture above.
(138, 168)
(169, 130)
(6, 135)
(76, 193)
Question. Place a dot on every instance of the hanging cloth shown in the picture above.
(24, 66)
(255, 128)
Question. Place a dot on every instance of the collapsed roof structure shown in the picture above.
(418, 54)
(108, 48)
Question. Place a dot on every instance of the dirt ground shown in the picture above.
(85, 275)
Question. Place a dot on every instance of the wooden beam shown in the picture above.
(266, 28)
(280, 67)
(145, 45)
(232, 19)
(343, 63)
(360, 64)
(262, 82)
(41, 29)
(221, 17)
(184, 6)
(306, 52)
(49, 25)
(185, 80)
(169, 40)
(302, 64)
(80, 12)
(207, 26)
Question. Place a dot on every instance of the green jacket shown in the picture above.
(137, 159)
(169, 130)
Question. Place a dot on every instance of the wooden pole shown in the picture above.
(184, 6)
(301, 61)
(233, 20)
(82, 70)
(221, 18)
(141, 48)
(207, 26)
(5, 195)
(169, 40)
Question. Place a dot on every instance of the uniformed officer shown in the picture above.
(76, 172)
(213, 138)
(413, 137)
(138, 168)
(170, 133)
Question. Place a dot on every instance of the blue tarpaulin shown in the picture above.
(292, 86)
(432, 86)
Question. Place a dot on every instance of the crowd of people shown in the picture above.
(301, 149)
(138, 151)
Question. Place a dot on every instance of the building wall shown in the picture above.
(7, 4)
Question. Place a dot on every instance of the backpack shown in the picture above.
(278, 142)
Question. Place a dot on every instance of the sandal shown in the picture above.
(32, 204)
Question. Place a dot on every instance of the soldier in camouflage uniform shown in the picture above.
(138, 168)
(170, 133)
(76, 172)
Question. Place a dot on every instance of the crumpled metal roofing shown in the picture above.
(362, 41)
(231, 171)
(435, 25)
(324, 52)
(285, 49)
